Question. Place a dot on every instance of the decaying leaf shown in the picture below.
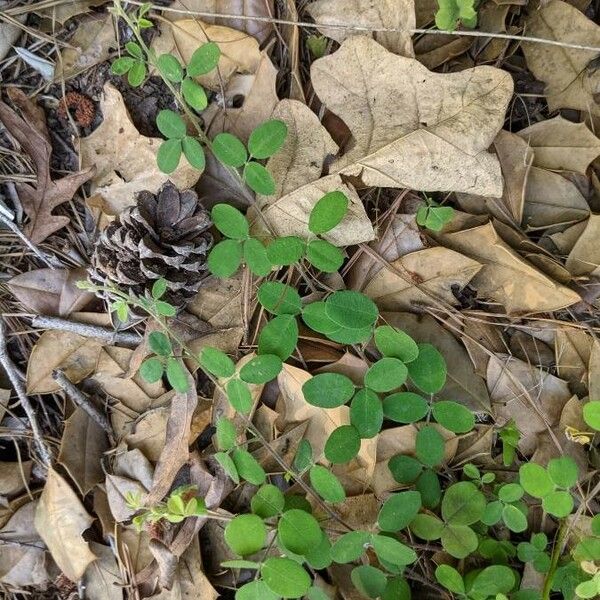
(14, 477)
(244, 8)
(419, 276)
(584, 258)
(124, 159)
(40, 200)
(569, 83)
(51, 291)
(74, 354)
(239, 51)
(561, 145)
(60, 520)
(573, 348)
(505, 277)
(102, 578)
(419, 130)
(391, 14)
(82, 446)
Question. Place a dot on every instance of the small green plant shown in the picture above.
(432, 215)
(453, 12)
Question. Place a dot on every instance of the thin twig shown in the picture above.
(79, 398)
(105, 334)
(15, 379)
(15, 229)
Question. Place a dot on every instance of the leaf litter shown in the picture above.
(506, 289)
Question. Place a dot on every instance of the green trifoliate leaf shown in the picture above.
(496, 579)
(204, 60)
(315, 316)
(279, 299)
(216, 362)
(151, 370)
(328, 212)
(369, 581)
(285, 251)
(259, 179)
(342, 445)
(404, 469)
(122, 65)
(225, 258)
(304, 456)
(279, 336)
(230, 221)
(267, 502)
(239, 396)
(398, 511)
(170, 124)
(366, 413)
(428, 370)
(226, 434)
(285, 577)
(405, 407)
(137, 74)
(326, 484)
(135, 50)
(350, 546)
(246, 534)
(463, 504)
(429, 446)
(559, 504)
(267, 138)
(227, 465)
(159, 287)
(591, 414)
(514, 519)
(229, 150)
(170, 67)
(261, 369)
(160, 344)
(351, 309)
(194, 94)
(255, 256)
(328, 390)
(393, 551)
(324, 256)
(193, 152)
(386, 374)
(395, 343)
(298, 531)
(169, 155)
(434, 217)
(177, 375)
(450, 578)
(248, 467)
(453, 416)
(563, 471)
(535, 480)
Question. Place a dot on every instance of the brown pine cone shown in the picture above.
(163, 236)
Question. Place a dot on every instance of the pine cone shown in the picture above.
(163, 236)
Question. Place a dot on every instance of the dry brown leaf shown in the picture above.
(60, 520)
(82, 446)
(125, 160)
(51, 291)
(259, 94)
(478, 333)
(175, 453)
(594, 371)
(296, 169)
(515, 158)
(573, 348)
(584, 257)
(117, 489)
(505, 277)
(396, 14)
(92, 43)
(569, 83)
(74, 354)
(9, 33)
(531, 350)
(397, 237)
(561, 145)
(102, 579)
(244, 8)
(436, 270)
(40, 200)
(149, 433)
(22, 552)
(413, 128)
(63, 12)
(463, 385)
(551, 199)
(14, 477)
(530, 396)
(433, 51)
(239, 51)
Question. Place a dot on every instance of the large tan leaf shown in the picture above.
(296, 169)
(125, 160)
(435, 270)
(74, 354)
(584, 258)
(413, 128)
(463, 384)
(569, 83)
(244, 8)
(396, 14)
(60, 519)
(562, 145)
(239, 51)
(505, 277)
(573, 348)
(527, 394)
(102, 578)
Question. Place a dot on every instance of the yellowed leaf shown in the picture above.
(390, 14)
(416, 129)
(125, 160)
(60, 519)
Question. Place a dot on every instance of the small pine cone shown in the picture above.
(163, 236)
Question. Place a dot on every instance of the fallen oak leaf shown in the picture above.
(413, 128)
(40, 200)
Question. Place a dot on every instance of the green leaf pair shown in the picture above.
(153, 368)
(173, 127)
(134, 65)
(240, 465)
(508, 508)
(535, 552)
(491, 582)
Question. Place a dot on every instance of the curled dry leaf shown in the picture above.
(125, 160)
(60, 520)
(296, 169)
(239, 51)
(40, 200)
(74, 354)
(569, 81)
(244, 8)
(584, 258)
(259, 96)
(561, 145)
(505, 277)
(421, 276)
(419, 130)
(51, 291)
(374, 14)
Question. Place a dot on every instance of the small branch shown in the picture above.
(15, 379)
(14, 228)
(109, 336)
(81, 400)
